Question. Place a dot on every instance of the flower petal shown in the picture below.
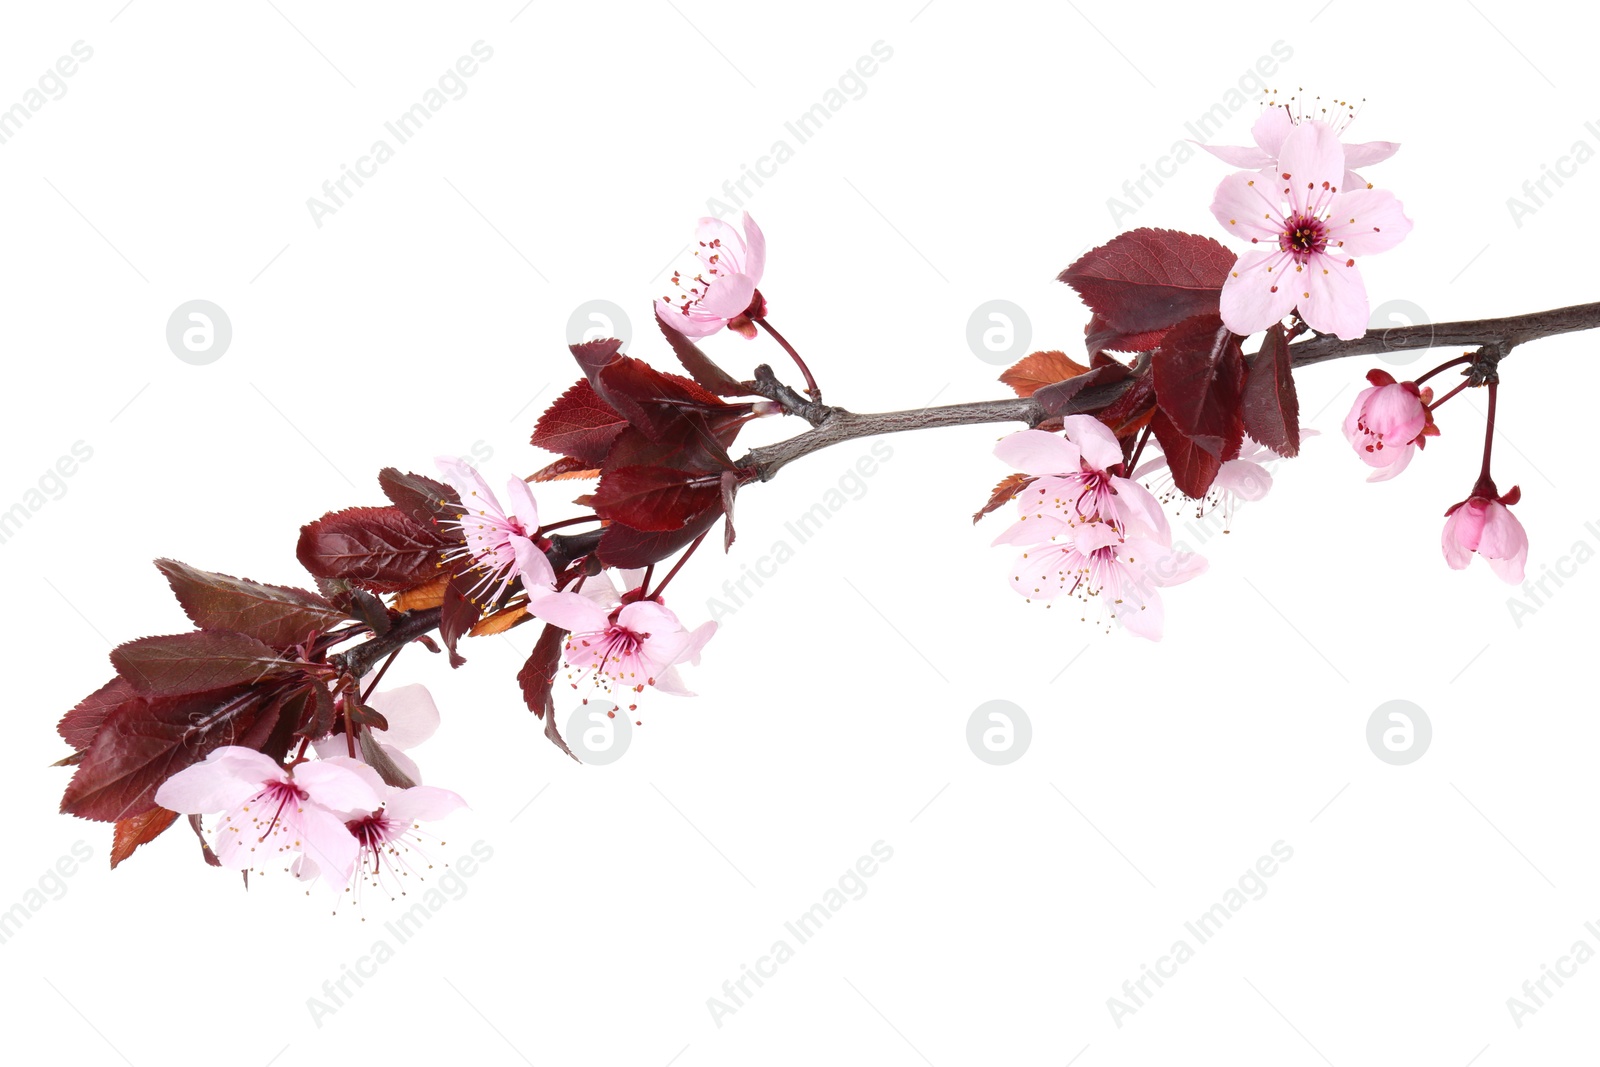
(1270, 129)
(1247, 206)
(728, 295)
(1330, 296)
(412, 714)
(225, 779)
(572, 612)
(1252, 299)
(1248, 157)
(756, 253)
(1368, 153)
(336, 787)
(1365, 222)
(1039, 452)
(1310, 164)
(422, 803)
(1096, 443)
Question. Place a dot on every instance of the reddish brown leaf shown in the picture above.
(1150, 279)
(565, 469)
(138, 830)
(197, 662)
(424, 500)
(537, 679)
(579, 425)
(1057, 398)
(624, 546)
(381, 549)
(1199, 374)
(699, 365)
(1034, 372)
(1271, 405)
(79, 725)
(654, 499)
(1004, 493)
(1193, 468)
(279, 615)
(1098, 337)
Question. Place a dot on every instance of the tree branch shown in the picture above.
(834, 425)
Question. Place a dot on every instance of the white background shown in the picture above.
(430, 311)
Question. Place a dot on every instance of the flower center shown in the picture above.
(1303, 236)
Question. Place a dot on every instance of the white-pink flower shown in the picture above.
(724, 287)
(388, 836)
(1483, 524)
(623, 641)
(1274, 127)
(1245, 478)
(500, 543)
(1073, 479)
(1388, 422)
(1309, 229)
(412, 716)
(1115, 576)
(271, 812)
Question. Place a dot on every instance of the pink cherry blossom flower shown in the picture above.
(502, 544)
(272, 812)
(1116, 576)
(724, 288)
(1483, 523)
(623, 641)
(1388, 422)
(1074, 480)
(1307, 263)
(1274, 127)
(389, 837)
(1243, 479)
(412, 716)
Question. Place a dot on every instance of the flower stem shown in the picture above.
(1484, 480)
(1443, 367)
(811, 383)
(1437, 403)
(547, 527)
(381, 672)
(678, 566)
(1138, 450)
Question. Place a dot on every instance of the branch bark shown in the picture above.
(1499, 336)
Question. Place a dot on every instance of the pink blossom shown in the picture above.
(623, 640)
(1274, 127)
(270, 811)
(1074, 480)
(1307, 262)
(388, 836)
(502, 544)
(1116, 575)
(1388, 422)
(412, 716)
(724, 288)
(1245, 478)
(1483, 523)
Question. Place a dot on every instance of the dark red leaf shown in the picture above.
(424, 500)
(147, 740)
(654, 498)
(1033, 372)
(1193, 468)
(537, 679)
(1004, 493)
(1128, 411)
(381, 549)
(198, 662)
(79, 725)
(624, 546)
(139, 830)
(458, 613)
(1199, 375)
(1151, 279)
(579, 425)
(279, 615)
(1271, 405)
(566, 468)
(699, 365)
(1056, 398)
(1098, 338)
